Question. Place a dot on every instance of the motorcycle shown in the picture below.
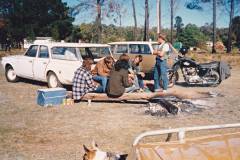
(194, 73)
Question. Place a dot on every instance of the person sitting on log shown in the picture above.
(102, 70)
(119, 80)
(131, 75)
(135, 70)
(83, 81)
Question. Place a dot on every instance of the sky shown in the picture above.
(188, 16)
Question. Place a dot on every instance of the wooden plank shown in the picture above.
(125, 96)
(146, 96)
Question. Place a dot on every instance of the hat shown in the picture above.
(163, 36)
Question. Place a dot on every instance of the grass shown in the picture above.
(4, 131)
(12, 52)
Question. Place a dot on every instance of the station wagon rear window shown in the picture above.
(64, 53)
(94, 52)
(139, 49)
(122, 49)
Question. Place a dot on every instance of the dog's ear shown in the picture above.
(85, 148)
(123, 157)
(94, 145)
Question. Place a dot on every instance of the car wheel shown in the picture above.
(53, 81)
(10, 74)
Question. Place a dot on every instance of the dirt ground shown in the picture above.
(28, 131)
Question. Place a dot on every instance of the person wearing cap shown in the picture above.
(160, 68)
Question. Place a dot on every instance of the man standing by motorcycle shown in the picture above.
(160, 68)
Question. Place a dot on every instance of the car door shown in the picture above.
(40, 64)
(24, 68)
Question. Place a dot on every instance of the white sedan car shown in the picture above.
(54, 63)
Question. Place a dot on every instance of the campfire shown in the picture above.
(172, 105)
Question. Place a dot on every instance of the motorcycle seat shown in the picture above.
(209, 65)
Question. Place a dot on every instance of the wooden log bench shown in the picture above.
(143, 96)
(146, 97)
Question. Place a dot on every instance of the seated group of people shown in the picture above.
(108, 76)
(121, 77)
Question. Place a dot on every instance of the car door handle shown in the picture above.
(30, 61)
(44, 62)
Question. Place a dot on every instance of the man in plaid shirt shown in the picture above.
(83, 82)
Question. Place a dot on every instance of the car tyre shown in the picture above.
(10, 74)
(53, 81)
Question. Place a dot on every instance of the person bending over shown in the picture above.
(136, 70)
(132, 78)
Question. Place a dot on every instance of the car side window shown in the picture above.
(43, 52)
(139, 49)
(112, 48)
(64, 53)
(105, 51)
(32, 51)
(122, 49)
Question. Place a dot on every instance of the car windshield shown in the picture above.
(94, 52)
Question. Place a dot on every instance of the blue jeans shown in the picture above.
(160, 73)
(98, 90)
(103, 81)
(140, 81)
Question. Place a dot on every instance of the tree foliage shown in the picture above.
(191, 36)
(178, 25)
(30, 18)
(101, 9)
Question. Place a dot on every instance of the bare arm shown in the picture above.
(159, 53)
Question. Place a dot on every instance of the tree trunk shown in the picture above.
(146, 24)
(99, 23)
(214, 26)
(229, 44)
(159, 16)
(135, 21)
(171, 35)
